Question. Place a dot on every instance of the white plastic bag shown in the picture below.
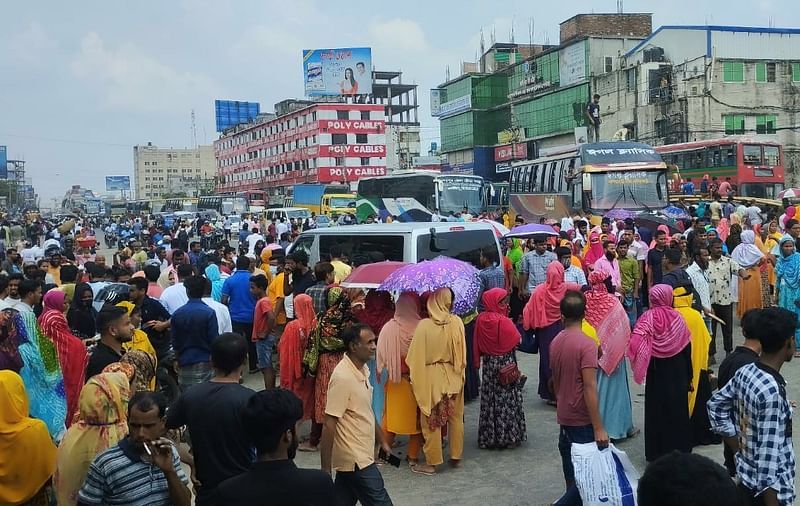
(604, 477)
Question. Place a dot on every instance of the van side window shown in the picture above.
(303, 243)
(464, 245)
(364, 249)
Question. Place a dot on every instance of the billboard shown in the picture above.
(572, 64)
(342, 71)
(436, 101)
(231, 113)
(117, 183)
(3, 162)
(455, 106)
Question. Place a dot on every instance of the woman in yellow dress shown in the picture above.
(750, 258)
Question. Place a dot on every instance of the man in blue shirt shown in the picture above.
(688, 187)
(241, 304)
(194, 328)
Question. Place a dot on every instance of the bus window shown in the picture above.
(524, 175)
(771, 155)
(544, 179)
(559, 182)
(535, 169)
(513, 179)
(698, 160)
(551, 183)
(728, 155)
(577, 193)
(752, 154)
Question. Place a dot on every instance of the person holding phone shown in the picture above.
(143, 467)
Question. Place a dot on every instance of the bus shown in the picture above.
(591, 177)
(256, 200)
(756, 167)
(117, 207)
(180, 204)
(223, 204)
(414, 196)
(497, 196)
(139, 207)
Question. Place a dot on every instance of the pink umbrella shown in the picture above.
(273, 246)
(370, 275)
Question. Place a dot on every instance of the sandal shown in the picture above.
(456, 463)
(423, 469)
(307, 447)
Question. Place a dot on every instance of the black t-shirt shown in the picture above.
(154, 310)
(220, 446)
(738, 358)
(278, 483)
(301, 283)
(594, 111)
(102, 355)
(654, 259)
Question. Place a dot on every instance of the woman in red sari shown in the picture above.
(72, 354)
(292, 344)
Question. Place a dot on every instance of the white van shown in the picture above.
(298, 213)
(402, 242)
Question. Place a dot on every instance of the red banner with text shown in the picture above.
(352, 126)
(353, 150)
(332, 174)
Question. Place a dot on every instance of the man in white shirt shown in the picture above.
(224, 323)
(252, 239)
(174, 297)
(697, 272)
(281, 227)
(753, 214)
(30, 294)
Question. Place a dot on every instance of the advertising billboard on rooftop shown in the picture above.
(343, 71)
(232, 112)
(117, 183)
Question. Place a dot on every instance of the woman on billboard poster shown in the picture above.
(349, 86)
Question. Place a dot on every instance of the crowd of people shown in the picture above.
(89, 350)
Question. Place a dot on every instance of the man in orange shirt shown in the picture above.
(263, 329)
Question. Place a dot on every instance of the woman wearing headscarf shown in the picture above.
(167, 277)
(543, 314)
(144, 366)
(750, 258)
(81, 315)
(787, 269)
(27, 454)
(10, 358)
(139, 341)
(766, 270)
(327, 348)
(401, 415)
(101, 424)
(605, 313)
(711, 234)
(41, 373)
(734, 236)
(701, 340)
(72, 354)
(290, 350)
(376, 311)
(436, 362)
(723, 229)
(660, 350)
(502, 418)
(214, 275)
(595, 251)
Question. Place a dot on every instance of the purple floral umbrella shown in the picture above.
(440, 272)
(620, 214)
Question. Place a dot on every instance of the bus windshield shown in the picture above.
(458, 192)
(628, 190)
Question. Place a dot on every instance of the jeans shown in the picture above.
(361, 485)
(594, 132)
(630, 308)
(566, 436)
(725, 313)
(265, 349)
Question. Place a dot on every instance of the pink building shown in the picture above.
(308, 143)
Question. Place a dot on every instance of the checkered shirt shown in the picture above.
(753, 406)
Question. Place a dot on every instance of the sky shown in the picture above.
(81, 83)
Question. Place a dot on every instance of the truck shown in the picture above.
(327, 199)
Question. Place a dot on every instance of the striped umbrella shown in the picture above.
(789, 193)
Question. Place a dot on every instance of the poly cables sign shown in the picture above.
(344, 126)
(354, 150)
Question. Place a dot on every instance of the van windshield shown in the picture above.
(298, 213)
(463, 245)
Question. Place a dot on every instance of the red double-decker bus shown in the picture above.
(256, 200)
(755, 166)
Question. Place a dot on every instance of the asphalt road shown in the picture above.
(528, 475)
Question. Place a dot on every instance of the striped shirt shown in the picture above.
(119, 476)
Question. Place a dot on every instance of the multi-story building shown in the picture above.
(167, 171)
(529, 97)
(402, 123)
(304, 142)
(687, 83)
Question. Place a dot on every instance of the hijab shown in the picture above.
(437, 355)
(101, 424)
(515, 253)
(144, 365)
(72, 354)
(81, 318)
(734, 236)
(378, 309)
(544, 306)
(163, 278)
(495, 333)
(723, 229)
(660, 332)
(27, 454)
(215, 277)
(595, 251)
(396, 335)
(747, 254)
(788, 266)
(605, 313)
(294, 340)
(10, 358)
